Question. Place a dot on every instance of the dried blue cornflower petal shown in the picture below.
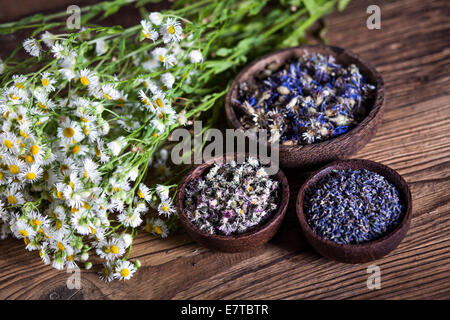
(308, 100)
(231, 198)
(353, 206)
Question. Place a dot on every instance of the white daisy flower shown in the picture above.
(88, 78)
(146, 101)
(131, 218)
(107, 273)
(165, 208)
(143, 192)
(162, 192)
(80, 221)
(110, 93)
(48, 38)
(163, 56)
(22, 229)
(31, 174)
(160, 228)
(171, 30)
(156, 18)
(48, 82)
(116, 146)
(32, 46)
(69, 132)
(124, 270)
(90, 171)
(101, 47)
(195, 56)
(110, 249)
(168, 80)
(148, 32)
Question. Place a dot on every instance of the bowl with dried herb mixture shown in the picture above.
(354, 210)
(321, 103)
(230, 205)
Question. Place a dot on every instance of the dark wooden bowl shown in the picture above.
(233, 243)
(357, 253)
(340, 147)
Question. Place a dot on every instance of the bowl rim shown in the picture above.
(274, 219)
(378, 100)
(360, 164)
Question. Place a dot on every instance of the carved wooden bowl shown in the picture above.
(339, 147)
(233, 243)
(364, 252)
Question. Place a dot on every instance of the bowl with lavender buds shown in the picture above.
(321, 103)
(232, 204)
(354, 210)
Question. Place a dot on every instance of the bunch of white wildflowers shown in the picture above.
(63, 131)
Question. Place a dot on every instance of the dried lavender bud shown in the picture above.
(353, 206)
(306, 101)
(232, 198)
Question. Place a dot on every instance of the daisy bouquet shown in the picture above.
(86, 118)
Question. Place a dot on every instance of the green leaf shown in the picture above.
(342, 4)
(311, 6)
(223, 52)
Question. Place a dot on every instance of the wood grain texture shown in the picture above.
(412, 54)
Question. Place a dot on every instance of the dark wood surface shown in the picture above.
(412, 53)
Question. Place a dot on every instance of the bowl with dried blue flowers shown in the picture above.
(321, 103)
(230, 205)
(354, 210)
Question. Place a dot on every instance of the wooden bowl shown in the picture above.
(233, 243)
(357, 253)
(340, 147)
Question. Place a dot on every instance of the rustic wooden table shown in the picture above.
(413, 55)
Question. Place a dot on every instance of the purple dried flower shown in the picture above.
(306, 101)
(248, 197)
(353, 206)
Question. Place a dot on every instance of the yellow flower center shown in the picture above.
(36, 222)
(75, 149)
(71, 184)
(171, 29)
(13, 96)
(23, 233)
(70, 258)
(69, 132)
(85, 130)
(60, 246)
(165, 208)
(125, 273)
(20, 85)
(26, 241)
(29, 159)
(107, 96)
(45, 82)
(114, 249)
(23, 134)
(14, 169)
(60, 195)
(42, 106)
(106, 272)
(159, 103)
(34, 150)
(161, 58)
(1, 175)
(148, 227)
(84, 81)
(158, 230)
(140, 194)
(8, 144)
(146, 35)
(30, 176)
(58, 225)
